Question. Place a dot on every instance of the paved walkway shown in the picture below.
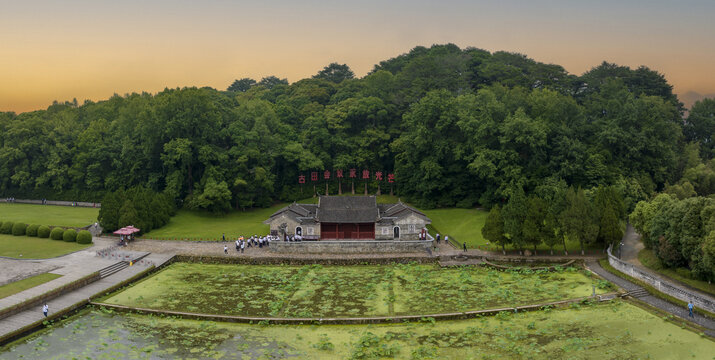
(652, 300)
(33, 317)
(632, 245)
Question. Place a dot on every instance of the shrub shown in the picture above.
(31, 230)
(84, 237)
(57, 233)
(70, 235)
(43, 231)
(6, 227)
(18, 229)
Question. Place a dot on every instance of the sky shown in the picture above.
(61, 50)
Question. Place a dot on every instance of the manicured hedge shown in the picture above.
(43, 231)
(84, 237)
(32, 230)
(6, 227)
(70, 235)
(18, 229)
(57, 233)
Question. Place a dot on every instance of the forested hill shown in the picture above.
(457, 127)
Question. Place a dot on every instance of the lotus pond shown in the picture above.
(616, 330)
(349, 291)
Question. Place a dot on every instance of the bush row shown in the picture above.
(44, 231)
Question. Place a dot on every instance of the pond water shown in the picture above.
(349, 291)
(616, 330)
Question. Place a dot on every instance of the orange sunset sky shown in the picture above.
(60, 50)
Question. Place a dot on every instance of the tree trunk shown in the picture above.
(391, 194)
(340, 187)
(534, 249)
(326, 188)
(565, 252)
(378, 190)
(503, 251)
(581, 242)
(314, 192)
(365, 187)
(552, 250)
(353, 187)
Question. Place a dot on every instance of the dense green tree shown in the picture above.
(335, 73)
(241, 85)
(579, 219)
(269, 82)
(515, 214)
(535, 229)
(493, 229)
(700, 126)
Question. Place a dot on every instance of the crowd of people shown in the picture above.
(10, 199)
(254, 241)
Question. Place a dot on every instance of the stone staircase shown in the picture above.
(637, 293)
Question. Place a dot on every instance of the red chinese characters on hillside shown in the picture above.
(352, 173)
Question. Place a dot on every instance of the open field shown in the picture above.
(199, 225)
(24, 284)
(348, 291)
(460, 224)
(649, 260)
(617, 330)
(27, 247)
(48, 214)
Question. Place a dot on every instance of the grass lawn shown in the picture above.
(24, 284)
(25, 247)
(48, 214)
(199, 225)
(348, 291)
(649, 260)
(460, 224)
(617, 330)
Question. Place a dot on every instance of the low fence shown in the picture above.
(57, 203)
(351, 247)
(660, 285)
(351, 260)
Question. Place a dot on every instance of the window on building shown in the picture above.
(310, 230)
(411, 228)
(385, 230)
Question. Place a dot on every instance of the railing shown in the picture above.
(663, 286)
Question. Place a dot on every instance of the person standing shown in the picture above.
(45, 309)
(225, 249)
(238, 245)
(223, 237)
(464, 245)
(690, 309)
(437, 238)
(243, 246)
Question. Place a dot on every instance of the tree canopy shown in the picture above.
(458, 127)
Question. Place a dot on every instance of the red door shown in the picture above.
(367, 231)
(328, 231)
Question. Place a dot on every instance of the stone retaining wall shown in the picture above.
(302, 261)
(350, 247)
(59, 203)
(673, 290)
(359, 320)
